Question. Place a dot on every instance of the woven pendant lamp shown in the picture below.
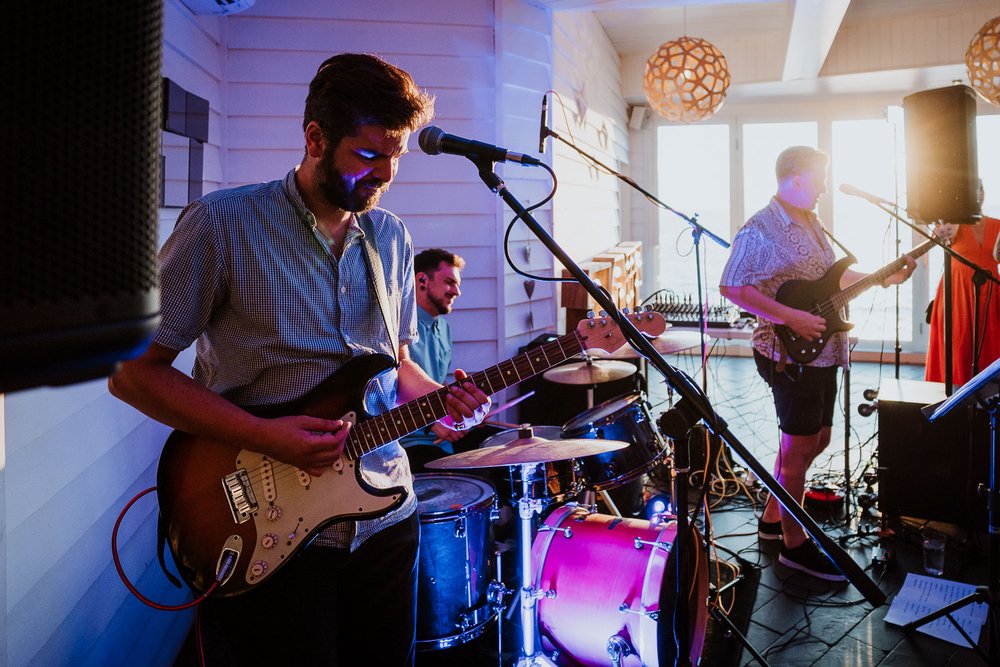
(686, 79)
(982, 60)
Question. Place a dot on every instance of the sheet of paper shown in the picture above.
(922, 595)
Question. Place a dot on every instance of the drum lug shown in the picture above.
(639, 542)
(460, 528)
(653, 615)
(567, 531)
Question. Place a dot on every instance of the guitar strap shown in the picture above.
(377, 275)
(839, 244)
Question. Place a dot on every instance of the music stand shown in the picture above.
(982, 390)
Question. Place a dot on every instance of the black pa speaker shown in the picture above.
(930, 470)
(81, 119)
(941, 165)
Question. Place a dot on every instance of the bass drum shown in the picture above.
(613, 577)
(456, 551)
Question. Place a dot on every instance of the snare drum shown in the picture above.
(625, 418)
(613, 577)
(553, 482)
(456, 550)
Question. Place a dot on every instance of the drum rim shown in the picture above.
(484, 502)
(577, 423)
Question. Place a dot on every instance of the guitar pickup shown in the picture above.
(239, 493)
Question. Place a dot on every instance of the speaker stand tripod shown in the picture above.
(989, 594)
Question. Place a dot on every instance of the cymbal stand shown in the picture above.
(527, 507)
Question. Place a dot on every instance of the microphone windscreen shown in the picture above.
(430, 139)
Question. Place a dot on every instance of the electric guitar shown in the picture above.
(235, 516)
(824, 297)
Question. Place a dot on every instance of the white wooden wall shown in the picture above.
(587, 208)
(74, 456)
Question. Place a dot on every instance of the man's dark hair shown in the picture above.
(354, 89)
(427, 261)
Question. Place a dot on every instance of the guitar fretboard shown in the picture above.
(418, 413)
(840, 299)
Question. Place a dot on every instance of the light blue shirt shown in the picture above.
(432, 352)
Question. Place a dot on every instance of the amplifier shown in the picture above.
(930, 471)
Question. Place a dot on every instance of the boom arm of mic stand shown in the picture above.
(690, 219)
(986, 274)
(692, 396)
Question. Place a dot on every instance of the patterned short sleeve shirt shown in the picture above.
(771, 248)
(248, 279)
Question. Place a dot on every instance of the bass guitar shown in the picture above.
(233, 517)
(824, 297)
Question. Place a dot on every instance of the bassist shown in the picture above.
(280, 285)
(786, 241)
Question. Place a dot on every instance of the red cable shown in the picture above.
(124, 578)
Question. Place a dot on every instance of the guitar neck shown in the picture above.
(841, 298)
(418, 413)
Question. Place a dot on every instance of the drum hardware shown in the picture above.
(651, 615)
(618, 649)
(525, 453)
(639, 543)
(567, 531)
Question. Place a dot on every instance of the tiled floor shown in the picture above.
(797, 620)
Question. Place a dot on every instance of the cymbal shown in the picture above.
(526, 450)
(590, 372)
(666, 343)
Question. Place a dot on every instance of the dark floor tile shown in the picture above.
(874, 631)
(760, 638)
(850, 651)
(796, 647)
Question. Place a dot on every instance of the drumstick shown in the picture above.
(497, 410)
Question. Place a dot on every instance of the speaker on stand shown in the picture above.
(81, 118)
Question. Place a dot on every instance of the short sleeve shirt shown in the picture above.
(770, 249)
(432, 352)
(248, 278)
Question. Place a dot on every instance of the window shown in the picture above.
(868, 154)
(693, 167)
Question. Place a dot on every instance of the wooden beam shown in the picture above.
(814, 27)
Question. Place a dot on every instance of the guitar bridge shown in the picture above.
(239, 493)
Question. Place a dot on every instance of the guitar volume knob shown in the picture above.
(258, 568)
(272, 513)
(269, 541)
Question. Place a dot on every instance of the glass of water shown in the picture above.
(934, 543)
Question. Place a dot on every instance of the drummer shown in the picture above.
(438, 280)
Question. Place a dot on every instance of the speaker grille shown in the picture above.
(81, 187)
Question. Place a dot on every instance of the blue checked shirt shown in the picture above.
(247, 277)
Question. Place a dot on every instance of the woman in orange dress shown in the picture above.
(976, 243)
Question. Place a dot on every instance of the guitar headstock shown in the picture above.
(605, 334)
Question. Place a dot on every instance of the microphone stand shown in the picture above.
(697, 230)
(693, 406)
(979, 278)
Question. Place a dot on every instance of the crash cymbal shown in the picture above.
(666, 343)
(590, 371)
(527, 449)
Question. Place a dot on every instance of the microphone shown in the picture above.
(434, 140)
(858, 192)
(543, 128)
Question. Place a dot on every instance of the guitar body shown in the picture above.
(807, 295)
(218, 502)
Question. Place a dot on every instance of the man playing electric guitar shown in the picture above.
(786, 241)
(282, 284)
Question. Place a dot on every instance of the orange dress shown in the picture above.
(963, 299)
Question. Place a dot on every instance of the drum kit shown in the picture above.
(595, 588)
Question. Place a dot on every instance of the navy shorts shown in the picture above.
(804, 396)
